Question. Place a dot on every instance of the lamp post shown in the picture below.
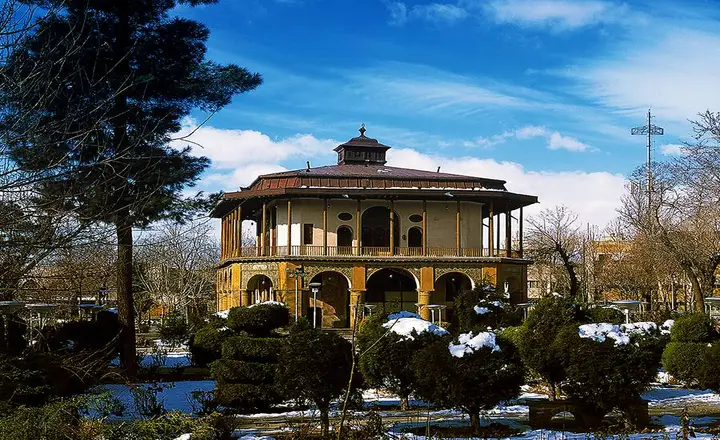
(296, 273)
(315, 288)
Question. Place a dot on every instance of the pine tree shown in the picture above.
(120, 77)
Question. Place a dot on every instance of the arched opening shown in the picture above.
(261, 289)
(344, 240)
(447, 288)
(376, 227)
(333, 306)
(392, 290)
(415, 237)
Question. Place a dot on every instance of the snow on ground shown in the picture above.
(177, 359)
(468, 344)
(672, 397)
(176, 395)
(404, 323)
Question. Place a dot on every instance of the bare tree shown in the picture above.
(175, 265)
(681, 215)
(554, 237)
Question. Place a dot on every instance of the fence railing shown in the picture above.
(370, 251)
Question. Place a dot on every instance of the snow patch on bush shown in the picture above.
(403, 314)
(223, 314)
(481, 310)
(404, 325)
(599, 332)
(468, 344)
(267, 303)
(667, 326)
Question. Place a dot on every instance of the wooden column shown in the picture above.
(424, 228)
(263, 230)
(457, 228)
(325, 232)
(238, 232)
(392, 227)
(520, 233)
(491, 229)
(508, 233)
(223, 237)
(482, 229)
(289, 227)
(358, 232)
(497, 235)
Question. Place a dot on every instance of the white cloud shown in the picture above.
(675, 73)
(595, 196)
(530, 131)
(672, 149)
(230, 149)
(560, 142)
(554, 14)
(555, 140)
(448, 13)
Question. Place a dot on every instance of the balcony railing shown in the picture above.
(371, 251)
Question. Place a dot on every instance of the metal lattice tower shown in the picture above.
(648, 130)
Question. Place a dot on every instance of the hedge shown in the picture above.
(206, 345)
(695, 363)
(694, 327)
(243, 348)
(259, 320)
(247, 397)
(231, 371)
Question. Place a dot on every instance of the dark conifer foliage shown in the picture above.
(118, 80)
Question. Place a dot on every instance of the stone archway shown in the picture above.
(392, 290)
(333, 305)
(260, 288)
(447, 287)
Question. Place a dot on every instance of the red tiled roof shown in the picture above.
(379, 171)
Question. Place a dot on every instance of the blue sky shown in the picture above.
(542, 93)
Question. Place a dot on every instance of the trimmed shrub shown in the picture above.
(600, 376)
(206, 345)
(258, 320)
(606, 314)
(100, 336)
(478, 380)
(174, 330)
(243, 372)
(251, 349)
(693, 327)
(537, 347)
(482, 308)
(315, 366)
(695, 363)
(387, 357)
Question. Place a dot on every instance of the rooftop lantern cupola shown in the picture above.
(361, 150)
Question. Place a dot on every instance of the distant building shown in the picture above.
(374, 236)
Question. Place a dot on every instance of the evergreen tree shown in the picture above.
(132, 72)
(315, 365)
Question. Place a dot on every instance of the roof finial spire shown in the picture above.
(362, 129)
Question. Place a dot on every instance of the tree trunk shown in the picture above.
(475, 421)
(404, 403)
(570, 269)
(553, 391)
(324, 422)
(698, 300)
(126, 309)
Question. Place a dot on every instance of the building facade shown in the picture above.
(374, 237)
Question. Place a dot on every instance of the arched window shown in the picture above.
(344, 237)
(415, 237)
